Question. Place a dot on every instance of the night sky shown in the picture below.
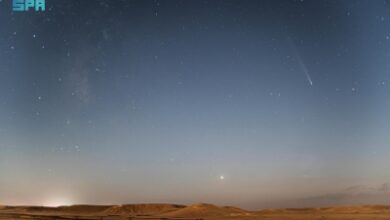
(247, 103)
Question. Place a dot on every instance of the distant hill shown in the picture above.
(142, 209)
(202, 209)
(362, 209)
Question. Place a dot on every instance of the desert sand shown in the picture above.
(196, 211)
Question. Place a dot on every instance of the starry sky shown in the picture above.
(248, 103)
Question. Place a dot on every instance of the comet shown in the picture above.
(300, 61)
(304, 69)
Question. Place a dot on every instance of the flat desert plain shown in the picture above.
(196, 211)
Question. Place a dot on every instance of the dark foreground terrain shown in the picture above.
(192, 212)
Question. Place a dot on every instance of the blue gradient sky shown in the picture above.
(152, 101)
